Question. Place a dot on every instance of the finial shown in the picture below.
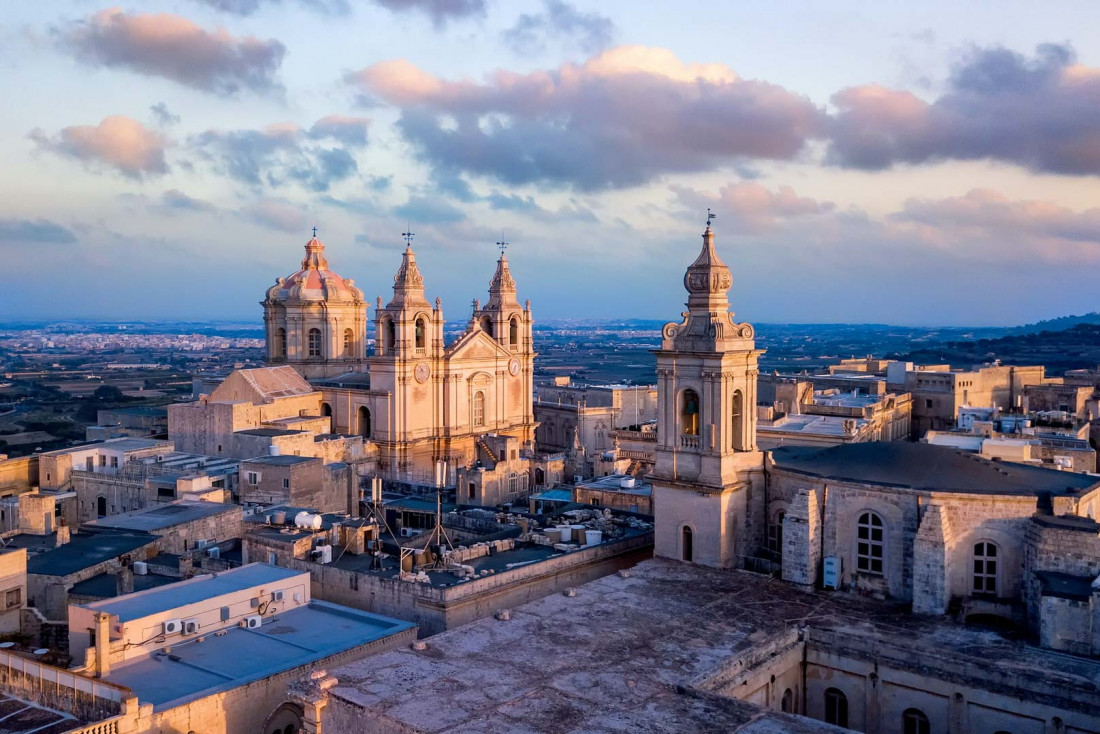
(476, 303)
(711, 216)
(438, 303)
(408, 235)
(315, 231)
(503, 246)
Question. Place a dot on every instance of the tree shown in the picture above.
(108, 393)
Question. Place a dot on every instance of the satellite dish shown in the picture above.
(6, 645)
(42, 651)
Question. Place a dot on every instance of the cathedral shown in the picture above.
(419, 399)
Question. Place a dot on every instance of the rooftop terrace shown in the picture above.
(164, 516)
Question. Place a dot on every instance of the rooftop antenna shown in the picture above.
(711, 216)
(439, 535)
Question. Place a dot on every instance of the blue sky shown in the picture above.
(918, 164)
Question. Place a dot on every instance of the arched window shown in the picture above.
(101, 506)
(775, 535)
(280, 342)
(687, 551)
(364, 422)
(389, 335)
(513, 332)
(478, 418)
(315, 342)
(540, 477)
(787, 704)
(326, 409)
(738, 421)
(689, 413)
(836, 707)
(913, 721)
(349, 342)
(869, 543)
(985, 568)
(421, 330)
(487, 325)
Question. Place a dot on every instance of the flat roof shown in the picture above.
(270, 432)
(806, 423)
(20, 716)
(928, 467)
(164, 516)
(115, 444)
(87, 549)
(647, 651)
(351, 380)
(199, 588)
(105, 585)
(613, 483)
(147, 410)
(286, 641)
(280, 460)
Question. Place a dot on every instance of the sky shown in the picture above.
(931, 163)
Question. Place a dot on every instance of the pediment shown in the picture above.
(476, 344)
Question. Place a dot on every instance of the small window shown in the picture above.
(272, 558)
(836, 707)
(102, 460)
(928, 403)
(914, 721)
(421, 332)
(315, 342)
(114, 462)
(253, 478)
(166, 493)
(687, 551)
(985, 568)
(349, 342)
(869, 543)
(479, 409)
(472, 490)
(286, 483)
(775, 535)
(689, 413)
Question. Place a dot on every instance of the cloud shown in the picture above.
(277, 214)
(163, 115)
(118, 142)
(1042, 113)
(440, 11)
(176, 201)
(590, 32)
(248, 7)
(351, 131)
(622, 118)
(527, 206)
(988, 219)
(174, 48)
(38, 231)
(281, 153)
(428, 210)
(750, 206)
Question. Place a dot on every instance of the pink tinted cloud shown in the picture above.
(751, 207)
(175, 48)
(117, 142)
(621, 118)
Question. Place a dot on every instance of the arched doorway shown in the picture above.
(364, 422)
(687, 551)
(101, 506)
(326, 410)
(286, 719)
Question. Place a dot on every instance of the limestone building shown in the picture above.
(708, 468)
(419, 399)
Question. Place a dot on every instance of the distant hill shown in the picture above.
(1059, 324)
(1071, 347)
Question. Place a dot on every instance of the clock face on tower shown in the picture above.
(421, 372)
(513, 366)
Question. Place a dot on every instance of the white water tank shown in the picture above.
(626, 483)
(593, 537)
(273, 450)
(566, 533)
(307, 521)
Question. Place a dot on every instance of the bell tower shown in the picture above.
(709, 472)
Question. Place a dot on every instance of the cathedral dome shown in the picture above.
(314, 282)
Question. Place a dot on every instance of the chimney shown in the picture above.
(186, 567)
(124, 577)
(63, 534)
(102, 644)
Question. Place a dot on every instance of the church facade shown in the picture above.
(419, 399)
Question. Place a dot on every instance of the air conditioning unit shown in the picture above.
(277, 595)
(252, 621)
(190, 626)
(200, 543)
(831, 572)
(409, 532)
(214, 552)
(172, 627)
(141, 568)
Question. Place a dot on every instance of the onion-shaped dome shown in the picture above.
(314, 282)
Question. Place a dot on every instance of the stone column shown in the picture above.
(801, 540)
(930, 563)
(312, 694)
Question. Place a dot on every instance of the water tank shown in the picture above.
(626, 483)
(278, 518)
(273, 450)
(566, 533)
(593, 537)
(307, 521)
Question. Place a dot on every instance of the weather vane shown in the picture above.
(503, 246)
(711, 216)
(408, 235)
